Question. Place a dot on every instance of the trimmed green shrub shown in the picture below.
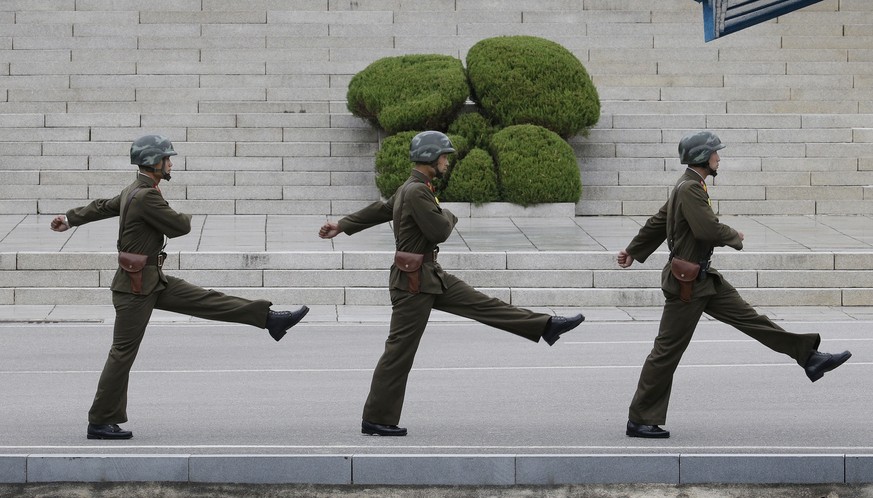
(473, 179)
(393, 164)
(535, 165)
(531, 80)
(409, 92)
(474, 127)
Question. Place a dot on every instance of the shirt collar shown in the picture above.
(420, 176)
(695, 172)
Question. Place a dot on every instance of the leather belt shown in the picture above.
(431, 256)
(157, 260)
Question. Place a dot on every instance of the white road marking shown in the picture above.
(380, 323)
(120, 446)
(705, 341)
(417, 369)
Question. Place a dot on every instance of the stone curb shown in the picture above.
(442, 469)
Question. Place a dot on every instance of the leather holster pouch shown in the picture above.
(686, 273)
(410, 264)
(133, 264)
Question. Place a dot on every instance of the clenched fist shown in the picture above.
(59, 223)
(329, 230)
(624, 259)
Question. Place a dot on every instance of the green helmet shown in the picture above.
(428, 146)
(696, 148)
(150, 150)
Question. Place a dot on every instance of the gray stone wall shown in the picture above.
(253, 95)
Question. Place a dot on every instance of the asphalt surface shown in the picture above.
(204, 388)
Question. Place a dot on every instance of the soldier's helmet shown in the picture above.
(696, 148)
(150, 150)
(428, 146)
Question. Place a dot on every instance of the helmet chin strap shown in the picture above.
(433, 167)
(165, 175)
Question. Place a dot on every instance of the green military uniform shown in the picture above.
(419, 226)
(695, 231)
(148, 221)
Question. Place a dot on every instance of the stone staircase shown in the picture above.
(538, 279)
(557, 261)
(253, 97)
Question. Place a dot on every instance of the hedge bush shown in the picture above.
(531, 80)
(474, 127)
(535, 165)
(473, 179)
(393, 164)
(409, 92)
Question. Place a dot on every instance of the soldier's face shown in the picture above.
(167, 165)
(442, 164)
(713, 164)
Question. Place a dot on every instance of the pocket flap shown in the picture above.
(684, 271)
(132, 262)
(408, 261)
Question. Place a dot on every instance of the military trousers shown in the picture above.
(132, 314)
(678, 321)
(409, 317)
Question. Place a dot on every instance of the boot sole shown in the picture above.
(94, 436)
(665, 435)
(384, 434)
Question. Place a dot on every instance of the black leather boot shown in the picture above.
(558, 325)
(381, 430)
(107, 431)
(647, 431)
(820, 363)
(278, 322)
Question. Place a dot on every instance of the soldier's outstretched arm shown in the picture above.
(98, 209)
(375, 214)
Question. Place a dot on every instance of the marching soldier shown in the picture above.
(692, 287)
(418, 284)
(140, 285)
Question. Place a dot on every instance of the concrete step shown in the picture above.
(825, 261)
(525, 297)
(522, 278)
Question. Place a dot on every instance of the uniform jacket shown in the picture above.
(696, 231)
(421, 226)
(149, 219)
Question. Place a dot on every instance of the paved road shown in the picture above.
(215, 388)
